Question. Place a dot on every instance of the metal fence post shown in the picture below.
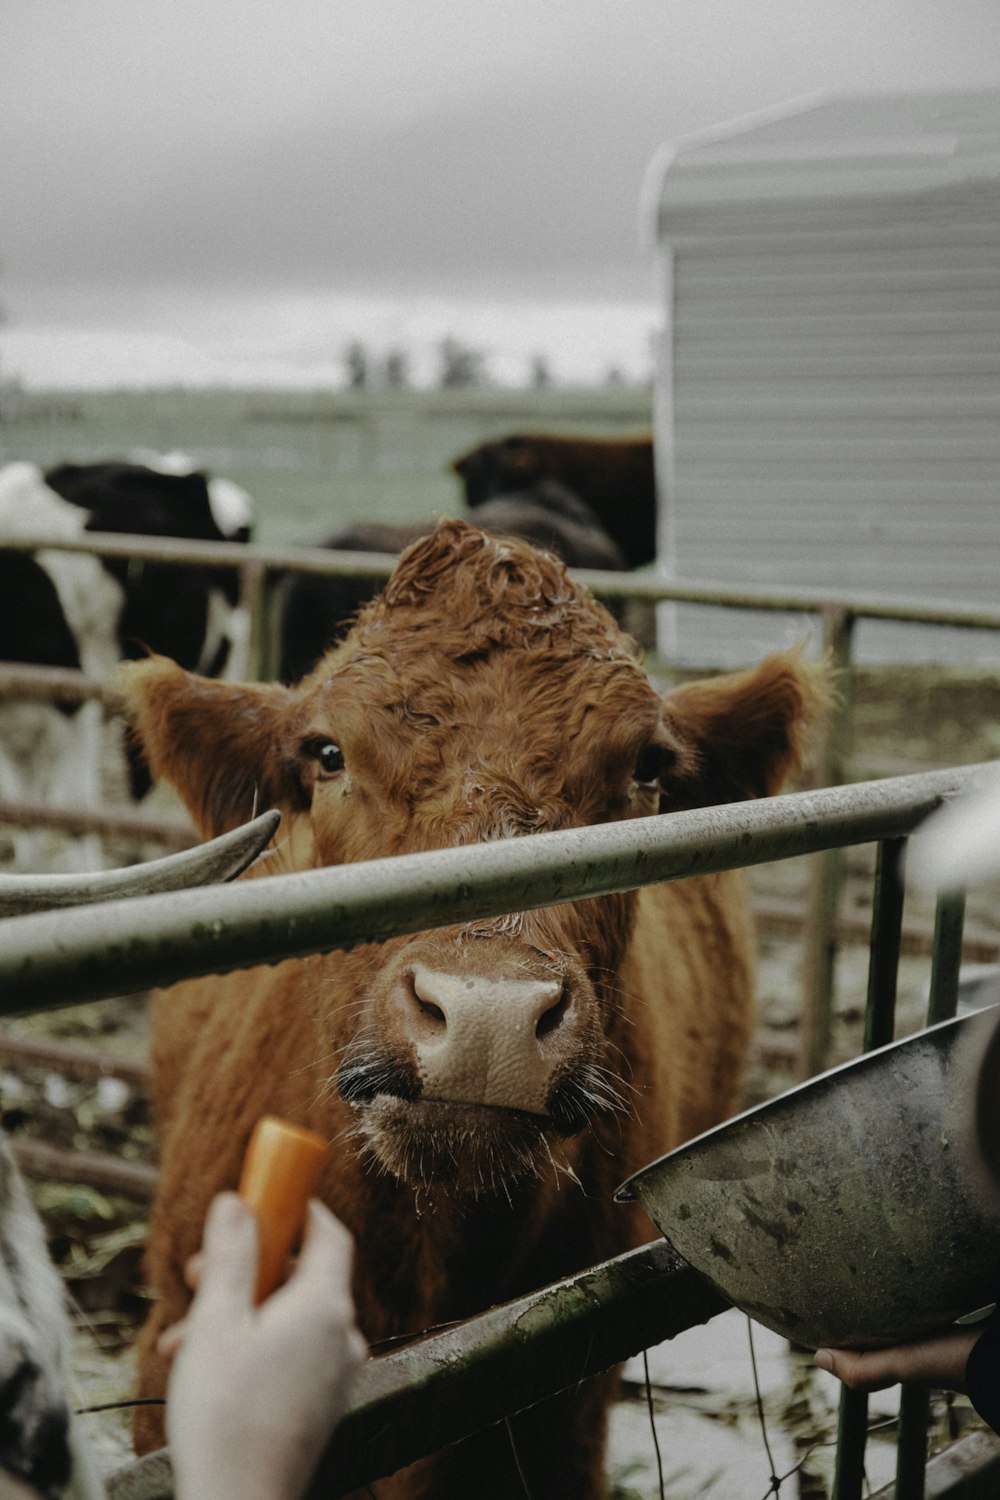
(914, 1407)
(826, 869)
(887, 928)
(259, 586)
(949, 919)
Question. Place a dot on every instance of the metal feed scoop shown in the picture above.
(861, 1208)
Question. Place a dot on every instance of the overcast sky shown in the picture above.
(218, 163)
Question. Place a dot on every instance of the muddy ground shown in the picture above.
(703, 1389)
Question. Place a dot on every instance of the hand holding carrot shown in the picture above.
(257, 1386)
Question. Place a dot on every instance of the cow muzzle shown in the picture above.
(485, 1041)
(472, 1071)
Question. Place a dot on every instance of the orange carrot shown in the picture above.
(280, 1171)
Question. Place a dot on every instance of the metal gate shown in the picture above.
(452, 1383)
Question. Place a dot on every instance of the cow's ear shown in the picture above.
(747, 731)
(225, 747)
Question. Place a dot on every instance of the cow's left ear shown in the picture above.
(225, 747)
(746, 732)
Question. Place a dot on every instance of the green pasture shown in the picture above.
(314, 461)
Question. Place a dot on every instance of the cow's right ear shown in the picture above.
(225, 747)
(746, 732)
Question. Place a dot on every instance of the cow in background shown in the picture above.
(316, 611)
(34, 1346)
(614, 476)
(72, 610)
(486, 1085)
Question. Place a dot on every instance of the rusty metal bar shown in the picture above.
(451, 1384)
(47, 961)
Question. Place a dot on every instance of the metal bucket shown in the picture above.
(860, 1209)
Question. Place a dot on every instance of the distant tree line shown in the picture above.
(460, 366)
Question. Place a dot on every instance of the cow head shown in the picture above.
(494, 468)
(482, 695)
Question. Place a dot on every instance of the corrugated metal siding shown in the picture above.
(835, 407)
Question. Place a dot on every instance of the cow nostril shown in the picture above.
(420, 993)
(432, 1013)
(552, 1018)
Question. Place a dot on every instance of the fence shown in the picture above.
(455, 1382)
(261, 569)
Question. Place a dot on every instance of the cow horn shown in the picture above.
(219, 859)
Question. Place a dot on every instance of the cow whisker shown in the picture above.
(561, 1168)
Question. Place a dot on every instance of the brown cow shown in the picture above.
(488, 1085)
(614, 476)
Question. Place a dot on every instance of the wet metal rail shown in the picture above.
(49, 960)
(261, 569)
(651, 587)
(440, 1388)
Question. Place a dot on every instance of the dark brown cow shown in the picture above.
(614, 476)
(317, 611)
(486, 1086)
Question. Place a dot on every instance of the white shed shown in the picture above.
(828, 393)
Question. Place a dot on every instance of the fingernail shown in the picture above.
(824, 1359)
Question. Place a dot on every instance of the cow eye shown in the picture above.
(330, 757)
(652, 764)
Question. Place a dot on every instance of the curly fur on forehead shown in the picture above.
(473, 592)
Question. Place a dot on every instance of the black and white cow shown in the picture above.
(65, 609)
(34, 1347)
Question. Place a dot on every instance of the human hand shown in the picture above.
(938, 1361)
(256, 1391)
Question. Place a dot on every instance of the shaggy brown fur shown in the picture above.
(482, 696)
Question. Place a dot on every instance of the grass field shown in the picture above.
(313, 461)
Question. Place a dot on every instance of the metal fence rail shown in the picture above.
(447, 1385)
(261, 569)
(252, 559)
(93, 953)
(459, 1380)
